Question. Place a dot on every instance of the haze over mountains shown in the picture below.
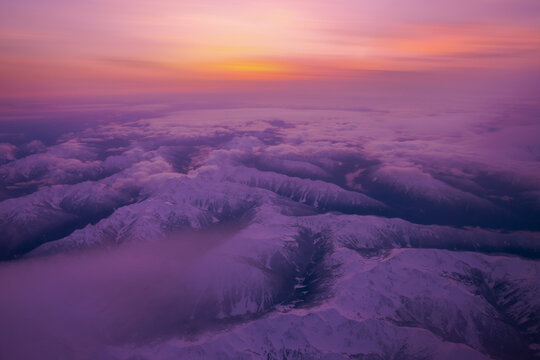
(279, 180)
(273, 233)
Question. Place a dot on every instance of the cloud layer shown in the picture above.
(393, 237)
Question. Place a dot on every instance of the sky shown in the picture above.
(67, 48)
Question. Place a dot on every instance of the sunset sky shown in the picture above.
(67, 47)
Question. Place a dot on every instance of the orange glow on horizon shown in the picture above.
(171, 45)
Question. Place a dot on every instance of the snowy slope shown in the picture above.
(326, 235)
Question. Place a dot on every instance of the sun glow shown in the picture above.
(102, 45)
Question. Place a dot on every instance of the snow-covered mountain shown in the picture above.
(220, 234)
